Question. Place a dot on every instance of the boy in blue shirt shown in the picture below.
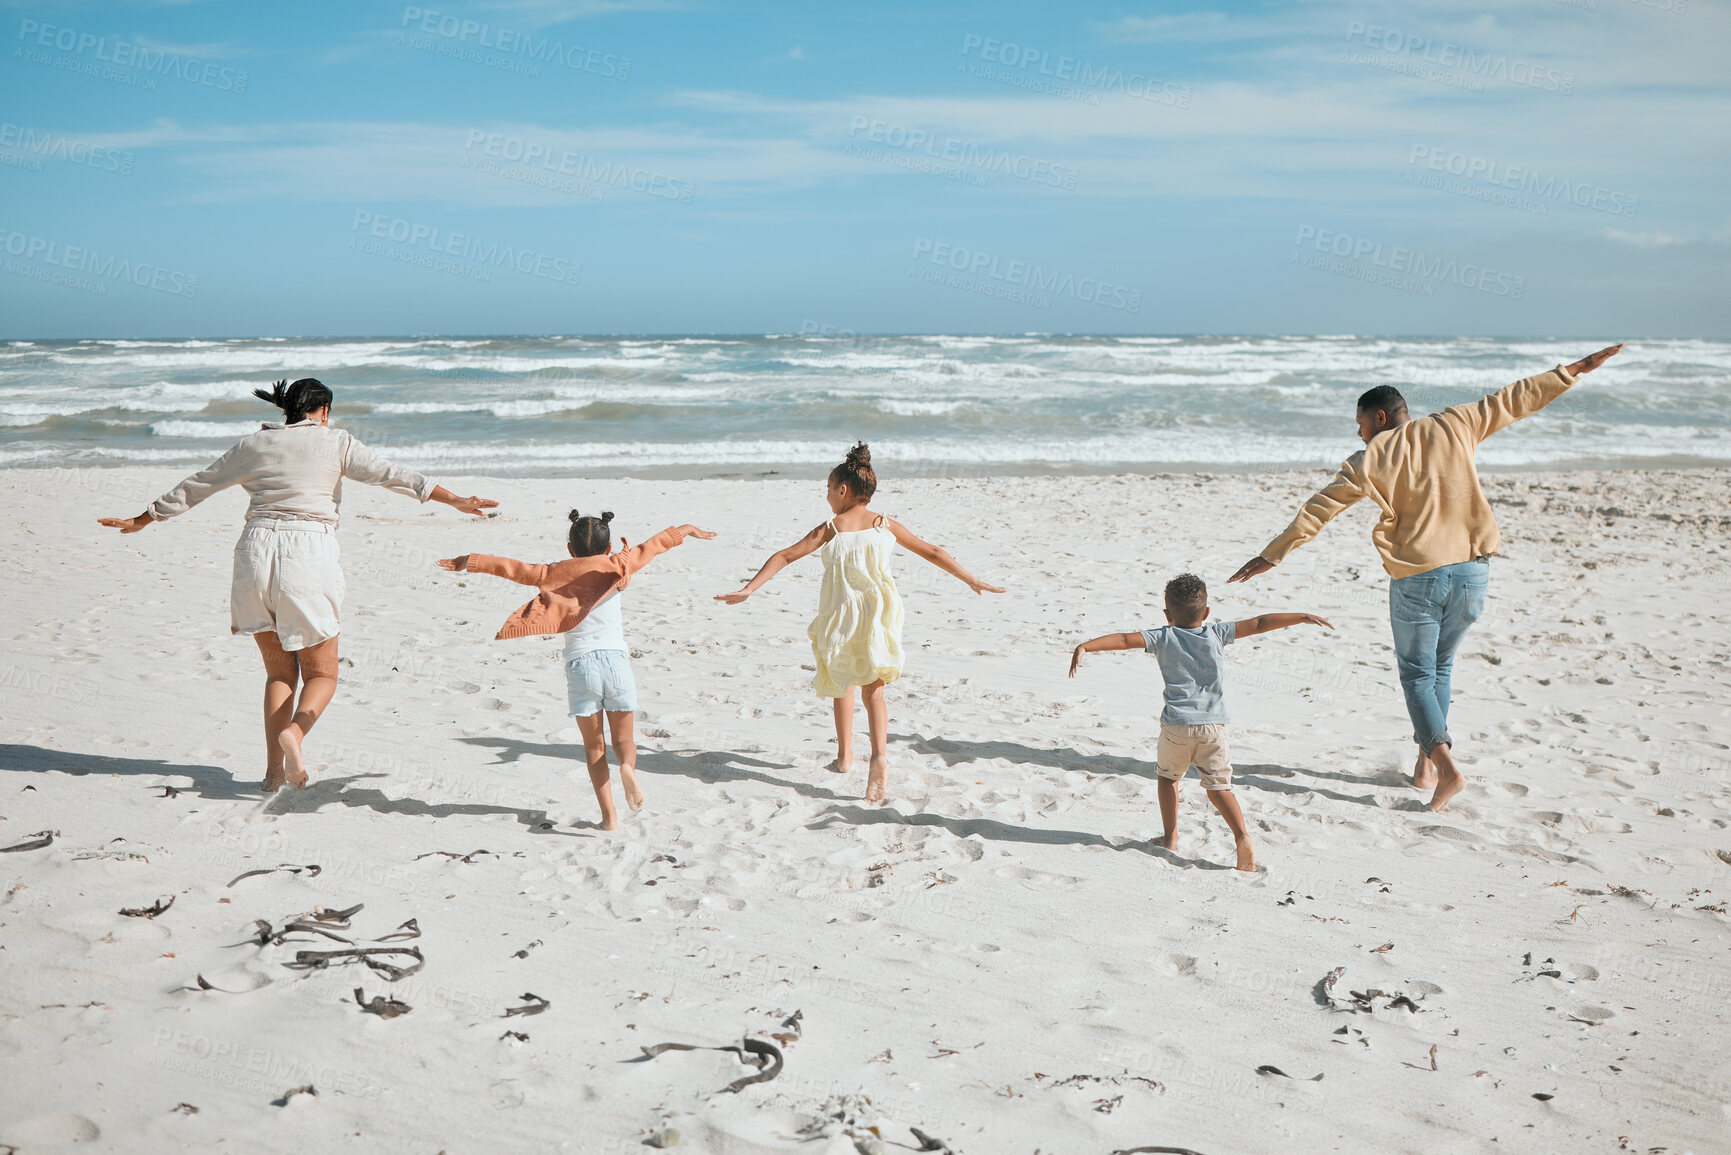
(1190, 650)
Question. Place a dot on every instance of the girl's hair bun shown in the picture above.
(859, 457)
(607, 517)
(573, 515)
(856, 472)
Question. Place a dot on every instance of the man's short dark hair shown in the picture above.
(1186, 595)
(1382, 399)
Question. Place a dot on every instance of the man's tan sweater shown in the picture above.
(1422, 476)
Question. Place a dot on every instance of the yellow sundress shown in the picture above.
(857, 634)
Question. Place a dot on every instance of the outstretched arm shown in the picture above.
(1105, 642)
(1495, 411)
(213, 478)
(521, 572)
(1321, 509)
(639, 555)
(776, 563)
(472, 505)
(1263, 623)
(938, 556)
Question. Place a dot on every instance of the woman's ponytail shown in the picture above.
(296, 400)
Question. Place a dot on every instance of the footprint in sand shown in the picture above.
(49, 1130)
(1037, 879)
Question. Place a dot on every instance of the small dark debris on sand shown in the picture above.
(382, 1005)
(305, 1089)
(150, 911)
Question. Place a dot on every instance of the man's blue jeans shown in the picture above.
(1430, 613)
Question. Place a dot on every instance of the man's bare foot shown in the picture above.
(1423, 772)
(1246, 855)
(1449, 783)
(876, 778)
(633, 792)
(293, 770)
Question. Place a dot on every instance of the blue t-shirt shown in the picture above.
(1190, 660)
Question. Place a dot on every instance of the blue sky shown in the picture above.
(661, 166)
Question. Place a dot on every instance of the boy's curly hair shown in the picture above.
(1186, 595)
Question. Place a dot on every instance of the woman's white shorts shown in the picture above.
(287, 578)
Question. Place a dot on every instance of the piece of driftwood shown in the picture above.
(1156, 1151)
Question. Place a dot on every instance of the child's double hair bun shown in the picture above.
(604, 519)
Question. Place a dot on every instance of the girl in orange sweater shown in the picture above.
(580, 599)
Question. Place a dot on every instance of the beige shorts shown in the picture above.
(288, 580)
(1203, 747)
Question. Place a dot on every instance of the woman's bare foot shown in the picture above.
(876, 780)
(273, 780)
(1246, 855)
(1449, 783)
(1167, 842)
(633, 792)
(293, 770)
(1423, 772)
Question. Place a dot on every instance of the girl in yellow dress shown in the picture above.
(857, 634)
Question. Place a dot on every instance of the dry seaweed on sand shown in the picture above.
(35, 842)
(1271, 1069)
(766, 1057)
(312, 871)
(1156, 1151)
(534, 1005)
(460, 857)
(316, 959)
(304, 1089)
(150, 911)
(382, 1005)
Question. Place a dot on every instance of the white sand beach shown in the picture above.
(998, 957)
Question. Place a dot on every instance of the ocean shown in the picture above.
(793, 403)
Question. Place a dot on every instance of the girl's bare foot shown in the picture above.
(1423, 772)
(840, 764)
(293, 770)
(610, 822)
(633, 792)
(876, 779)
(273, 780)
(1246, 855)
(1167, 842)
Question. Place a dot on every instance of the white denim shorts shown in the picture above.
(288, 579)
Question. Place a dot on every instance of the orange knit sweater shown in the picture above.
(570, 588)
